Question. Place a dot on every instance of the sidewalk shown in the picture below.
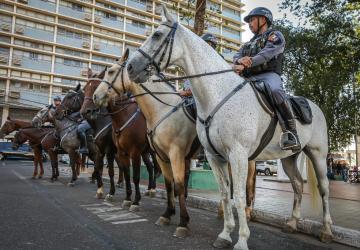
(274, 201)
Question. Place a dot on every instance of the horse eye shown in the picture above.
(110, 71)
(157, 34)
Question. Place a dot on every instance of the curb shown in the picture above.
(342, 235)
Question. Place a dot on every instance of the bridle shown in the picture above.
(111, 84)
(168, 41)
(67, 111)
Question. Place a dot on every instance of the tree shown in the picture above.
(322, 61)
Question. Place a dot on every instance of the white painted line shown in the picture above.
(128, 221)
(98, 210)
(108, 204)
(19, 175)
(92, 205)
(117, 216)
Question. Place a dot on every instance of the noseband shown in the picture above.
(111, 84)
(67, 111)
(168, 41)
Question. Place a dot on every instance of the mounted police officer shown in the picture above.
(261, 59)
(56, 101)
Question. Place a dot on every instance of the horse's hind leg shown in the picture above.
(53, 160)
(120, 182)
(110, 159)
(221, 173)
(150, 169)
(72, 156)
(124, 161)
(250, 189)
(318, 160)
(98, 169)
(291, 170)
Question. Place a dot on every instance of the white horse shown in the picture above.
(236, 129)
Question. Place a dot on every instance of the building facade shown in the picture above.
(46, 46)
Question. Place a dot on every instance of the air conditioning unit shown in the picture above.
(19, 29)
(84, 72)
(23, 1)
(16, 61)
(158, 11)
(2, 92)
(97, 19)
(87, 17)
(5, 27)
(149, 8)
(14, 94)
(86, 45)
(3, 59)
(148, 32)
(96, 46)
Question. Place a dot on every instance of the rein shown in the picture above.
(194, 76)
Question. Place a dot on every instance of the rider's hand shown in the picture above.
(184, 93)
(246, 61)
(239, 68)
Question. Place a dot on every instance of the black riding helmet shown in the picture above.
(207, 37)
(260, 11)
(57, 98)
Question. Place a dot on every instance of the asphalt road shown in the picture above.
(38, 214)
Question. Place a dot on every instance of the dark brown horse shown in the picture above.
(129, 135)
(13, 125)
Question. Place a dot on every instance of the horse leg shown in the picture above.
(250, 189)
(120, 182)
(124, 161)
(98, 169)
(41, 164)
(53, 160)
(72, 156)
(290, 168)
(221, 173)
(239, 163)
(35, 164)
(187, 175)
(150, 169)
(178, 166)
(110, 159)
(318, 160)
(165, 218)
(136, 164)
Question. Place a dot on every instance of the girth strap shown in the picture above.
(119, 130)
(208, 120)
(102, 130)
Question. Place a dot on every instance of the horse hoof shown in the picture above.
(288, 229)
(181, 232)
(221, 243)
(99, 196)
(34, 177)
(134, 208)
(162, 221)
(126, 204)
(147, 193)
(248, 212)
(326, 237)
(152, 193)
(109, 198)
(120, 185)
(40, 177)
(71, 184)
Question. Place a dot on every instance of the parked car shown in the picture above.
(23, 152)
(266, 167)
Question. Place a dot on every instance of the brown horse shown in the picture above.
(11, 125)
(129, 135)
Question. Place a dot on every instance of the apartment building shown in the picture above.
(46, 46)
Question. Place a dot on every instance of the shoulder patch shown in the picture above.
(274, 38)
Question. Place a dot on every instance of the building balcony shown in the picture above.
(231, 35)
(70, 12)
(231, 15)
(107, 48)
(116, 24)
(44, 5)
(74, 42)
(136, 5)
(122, 2)
(135, 29)
(29, 63)
(31, 98)
(63, 69)
(34, 33)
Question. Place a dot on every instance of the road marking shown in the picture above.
(19, 175)
(116, 215)
(128, 221)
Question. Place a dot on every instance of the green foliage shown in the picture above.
(322, 61)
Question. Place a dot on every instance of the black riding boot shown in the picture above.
(83, 143)
(290, 139)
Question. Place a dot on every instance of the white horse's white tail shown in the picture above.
(313, 184)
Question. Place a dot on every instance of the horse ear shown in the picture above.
(78, 87)
(166, 17)
(124, 57)
(102, 73)
(89, 73)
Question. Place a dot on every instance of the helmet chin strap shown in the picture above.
(259, 26)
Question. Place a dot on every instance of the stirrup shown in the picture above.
(295, 147)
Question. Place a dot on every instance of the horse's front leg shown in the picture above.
(110, 160)
(150, 168)
(221, 173)
(250, 189)
(72, 156)
(136, 163)
(178, 167)
(98, 169)
(120, 182)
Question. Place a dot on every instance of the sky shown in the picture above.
(272, 5)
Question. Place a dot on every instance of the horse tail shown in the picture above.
(313, 184)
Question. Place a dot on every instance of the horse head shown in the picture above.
(18, 140)
(44, 115)
(71, 103)
(115, 82)
(89, 110)
(157, 52)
